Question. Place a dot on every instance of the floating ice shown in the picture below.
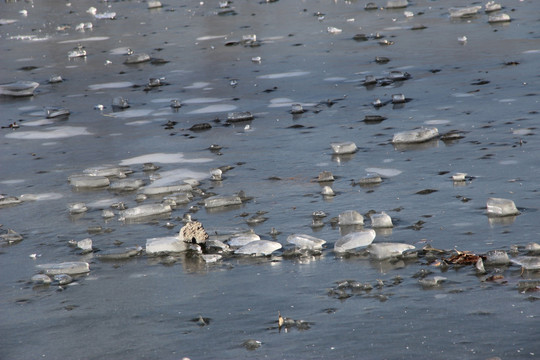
(41, 122)
(382, 220)
(111, 15)
(387, 250)
(211, 258)
(350, 217)
(354, 240)
(9, 200)
(501, 207)
(244, 239)
(19, 88)
(58, 132)
(343, 148)
(88, 181)
(327, 191)
(85, 244)
(527, 262)
(111, 85)
(41, 279)
(334, 30)
(153, 4)
(119, 253)
(144, 211)
(459, 177)
(77, 208)
(396, 4)
(213, 109)
(159, 190)
(497, 257)
(197, 85)
(259, 247)
(108, 171)
(69, 268)
(457, 12)
(304, 241)
(88, 39)
(415, 136)
(126, 185)
(164, 245)
(163, 158)
(41, 197)
(211, 37)
(219, 201)
(431, 281)
(11, 237)
(286, 102)
(370, 179)
(239, 116)
(176, 176)
(203, 100)
(499, 18)
(284, 75)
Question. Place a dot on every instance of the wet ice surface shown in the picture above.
(482, 89)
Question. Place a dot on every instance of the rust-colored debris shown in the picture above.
(462, 258)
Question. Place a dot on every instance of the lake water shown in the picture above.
(485, 89)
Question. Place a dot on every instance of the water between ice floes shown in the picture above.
(142, 308)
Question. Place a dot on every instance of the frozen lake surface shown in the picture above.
(359, 76)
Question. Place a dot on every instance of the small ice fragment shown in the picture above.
(396, 4)
(111, 15)
(41, 279)
(327, 191)
(415, 136)
(354, 240)
(159, 190)
(70, 268)
(19, 88)
(87, 181)
(459, 177)
(259, 247)
(219, 201)
(55, 79)
(144, 211)
(53, 111)
(256, 59)
(126, 185)
(462, 39)
(382, 220)
(370, 179)
(386, 250)
(239, 116)
(99, 107)
(79, 51)
(175, 104)
(342, 148)
(532, 247)
(63, 279)
(211, 258)
(458, 12)
(85, 244)
(11, 237)
(371, 6)
(398, 99)
(107, 214)
(215, 174)
(137, 58)
(334, 30)
(325, 176)
(154, 4)
(527, 262)
(501, 207)
(119, 253)
(33, 256)
(431, 281)
(480, 266)
(304, 241)
(408, 14)
(24, 12)
(120, 103)
(91, 10)
(165, 245)
(350, 217)
(297, 109)
(77, 208)
(497, 257)
(499, 18)
(492, 6)
(243, 239)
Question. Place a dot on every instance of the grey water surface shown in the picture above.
(484, 89)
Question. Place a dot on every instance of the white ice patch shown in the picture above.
(283, 75)
(202, 100)
(460, 95)
(286, 102)
(213, 109)
(111, 85)
(211, 37)
(126, 114)
(119, 51)
(139, 123)
(103, 203)
(41, 197)
(335, 78)
(197, 85)
(174, 176)
(384, 172)
(508, 162)
(11, 182)
(162, 158)
(534, 51)
(437, 122)
(38, 122)
(83, 40)
(59, 132)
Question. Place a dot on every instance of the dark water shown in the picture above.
(486, 89)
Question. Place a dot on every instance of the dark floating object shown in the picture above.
(426, 191)
(480, 82)
(381, 60)
(119, 103)
(511, 63)
(419, 27)
(175, 104)
(374, 118)
(360, 37)
(251, 344)
(201, 127)
(371, 6)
